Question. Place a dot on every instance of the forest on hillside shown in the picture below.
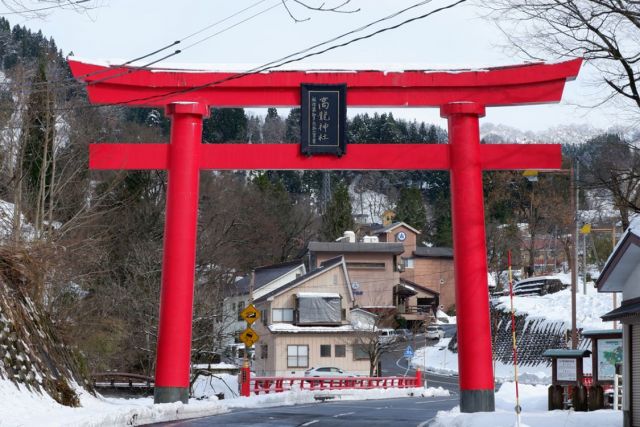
(96, 237)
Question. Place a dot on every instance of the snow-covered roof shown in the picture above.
(289, 328)
(623, 260)
(318, 295)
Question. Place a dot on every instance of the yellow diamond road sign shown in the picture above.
(250, 314)
(249, 337)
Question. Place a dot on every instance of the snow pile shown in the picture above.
(556, 307)
(440, 360)
(35, 409)
(533, 400)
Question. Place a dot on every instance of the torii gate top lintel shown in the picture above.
(497, 86)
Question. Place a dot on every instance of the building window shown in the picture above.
(282, 315)
(240, 308)
(265, 317)
(297, 356)
(408, 262)
(360, 352)
(264, 351)
(325, 350)
(340, 350)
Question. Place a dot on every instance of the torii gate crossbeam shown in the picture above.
(461, 96)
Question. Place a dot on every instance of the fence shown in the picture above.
(267, 385)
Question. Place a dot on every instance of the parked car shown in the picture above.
(387, 336)
(434, 332)
(541, 285)
(327, 371)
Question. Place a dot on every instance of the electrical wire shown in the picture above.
(283, 61)
(163, 48)
(58, 6)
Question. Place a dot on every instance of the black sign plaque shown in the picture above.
(323, 119)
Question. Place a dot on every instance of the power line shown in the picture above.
(283, 61)
(177, 52)
(58, 6)
(163, 48)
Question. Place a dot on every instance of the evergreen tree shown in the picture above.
(410, 208)
(225, 124)
(292, 132)
(274, 127)
(338, 218)
(38, 135)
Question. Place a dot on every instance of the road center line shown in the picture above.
(342, 415)
(426, 423)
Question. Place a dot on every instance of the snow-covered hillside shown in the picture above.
(566, 134)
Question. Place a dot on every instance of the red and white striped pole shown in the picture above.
(515, 343)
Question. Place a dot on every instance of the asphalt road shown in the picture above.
(394, 363)
(400, 412)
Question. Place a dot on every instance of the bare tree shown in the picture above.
(604, 32)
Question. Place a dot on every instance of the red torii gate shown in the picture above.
(461, 96)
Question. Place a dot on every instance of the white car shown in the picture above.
(434, 332)
(387, 336)
(328, 371)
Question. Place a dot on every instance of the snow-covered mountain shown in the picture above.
(564, 134)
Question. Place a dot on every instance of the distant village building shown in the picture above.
(390, 272)
(265, 280)
(308, 323)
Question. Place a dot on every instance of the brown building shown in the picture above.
(389, 271)
(429, 268)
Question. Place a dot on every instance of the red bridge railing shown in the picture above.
(268, 385)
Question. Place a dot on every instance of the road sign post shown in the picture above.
(249, 337)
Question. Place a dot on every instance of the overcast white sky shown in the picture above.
(456, 38)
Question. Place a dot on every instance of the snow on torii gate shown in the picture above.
(461, 96)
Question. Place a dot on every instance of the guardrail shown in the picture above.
(268, 385)
(121, 380)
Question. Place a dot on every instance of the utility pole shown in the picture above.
(615, 294)
(574, 266)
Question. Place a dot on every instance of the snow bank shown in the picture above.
(439, 359)
(533, 400)
(20, 407)
(556, 307)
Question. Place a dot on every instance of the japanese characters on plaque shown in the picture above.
(323, 119)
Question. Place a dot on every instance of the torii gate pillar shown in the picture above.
(179, 252)
(470, 261)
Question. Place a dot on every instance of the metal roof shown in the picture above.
(326, 265)
(628, 308)
(566, 353)
(601, 332)
(621, 263)
(265, 275)
(423, 251)
(346, 247)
